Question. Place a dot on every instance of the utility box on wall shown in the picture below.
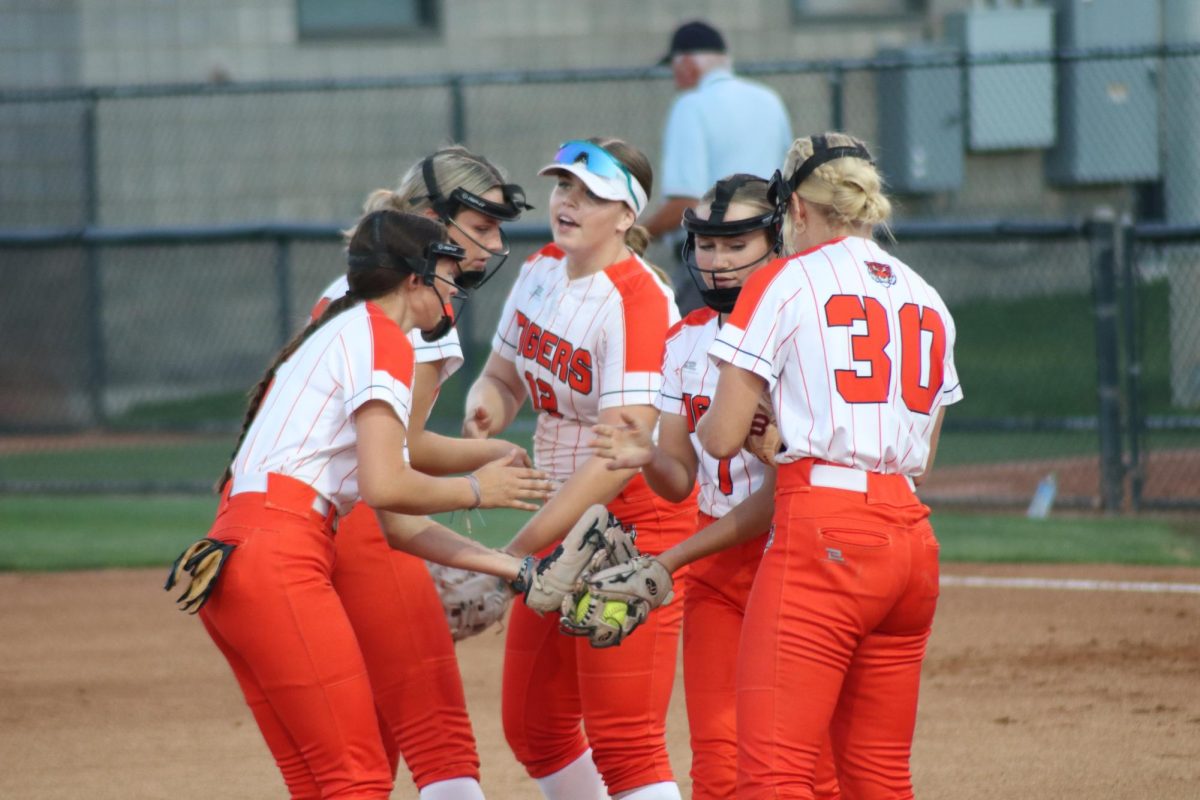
(1107, 106)
(1009, 105)
(920, 120)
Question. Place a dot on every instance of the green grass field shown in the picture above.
(1011, 362)
(64, 533)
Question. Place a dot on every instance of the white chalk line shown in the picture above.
(1071, 584)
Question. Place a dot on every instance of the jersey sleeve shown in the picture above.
(951, 387)
(670, 394)
(378, 365)
(749, 338)
(685, 162)
(332, 292)
(447, 349)
(633, 334)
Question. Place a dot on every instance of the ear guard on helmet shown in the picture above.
(723, 299)
(428, 272)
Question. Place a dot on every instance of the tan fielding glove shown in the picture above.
(201, 563)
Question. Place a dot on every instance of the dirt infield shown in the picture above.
(107, 692)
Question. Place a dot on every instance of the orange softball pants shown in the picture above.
(397, 616)
(280, 624)
(553, 682)
(834, 636)
(713, 611)
(717, 589)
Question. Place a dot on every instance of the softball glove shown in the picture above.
(595, 541)
(473, 601)
(200, 564)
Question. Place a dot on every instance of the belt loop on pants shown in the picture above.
(285, 493)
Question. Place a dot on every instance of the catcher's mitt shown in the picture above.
(604, 623)
(595, 541)
(764, 441)
(202, 563)
(473, 601)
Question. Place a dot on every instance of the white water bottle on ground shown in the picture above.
(1043, 497)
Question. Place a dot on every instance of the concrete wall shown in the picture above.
(102, 42)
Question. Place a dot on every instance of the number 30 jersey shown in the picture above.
(856, 349)
(581, 346)
(689, 382)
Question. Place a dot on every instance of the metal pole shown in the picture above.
(458, 111)
(1134, 422)
(1102, 232)
(93, 269)
(837, 98)
(283, 287)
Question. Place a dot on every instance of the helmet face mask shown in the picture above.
(722, 299)
(447, 208)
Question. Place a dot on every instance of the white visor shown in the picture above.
(605, 188)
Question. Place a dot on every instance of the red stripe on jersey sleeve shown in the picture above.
(549, 251)
(752, 293)
(645, 312)
(695, 319)
(319, 309)
(392, 351)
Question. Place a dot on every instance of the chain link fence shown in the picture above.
(151, 265)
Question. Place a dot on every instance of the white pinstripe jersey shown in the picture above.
(304, 427)
(448, 349)
(689, 383)
(857, 349)
(581, 346)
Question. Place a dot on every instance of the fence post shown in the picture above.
(1102, 231)
(283, 286)
(97, 373)
(1134, 422)
(837, 98)
(458, 111)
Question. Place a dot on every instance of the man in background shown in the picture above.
(719, 124)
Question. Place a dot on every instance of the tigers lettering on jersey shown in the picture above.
(581, 345)
(572, 366)
(696, 405)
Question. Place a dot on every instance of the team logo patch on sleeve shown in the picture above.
(881, 273)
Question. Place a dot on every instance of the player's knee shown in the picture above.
(629, 764)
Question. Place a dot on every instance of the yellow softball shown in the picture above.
(614, 610)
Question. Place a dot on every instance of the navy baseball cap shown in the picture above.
(694, 37)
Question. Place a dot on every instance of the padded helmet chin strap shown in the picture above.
(823, 154)
(724, 193)
(437, 200)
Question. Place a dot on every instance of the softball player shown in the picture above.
(731, 234)
(326, 426)
(582, 334)
(857, 353)
(389, 595)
